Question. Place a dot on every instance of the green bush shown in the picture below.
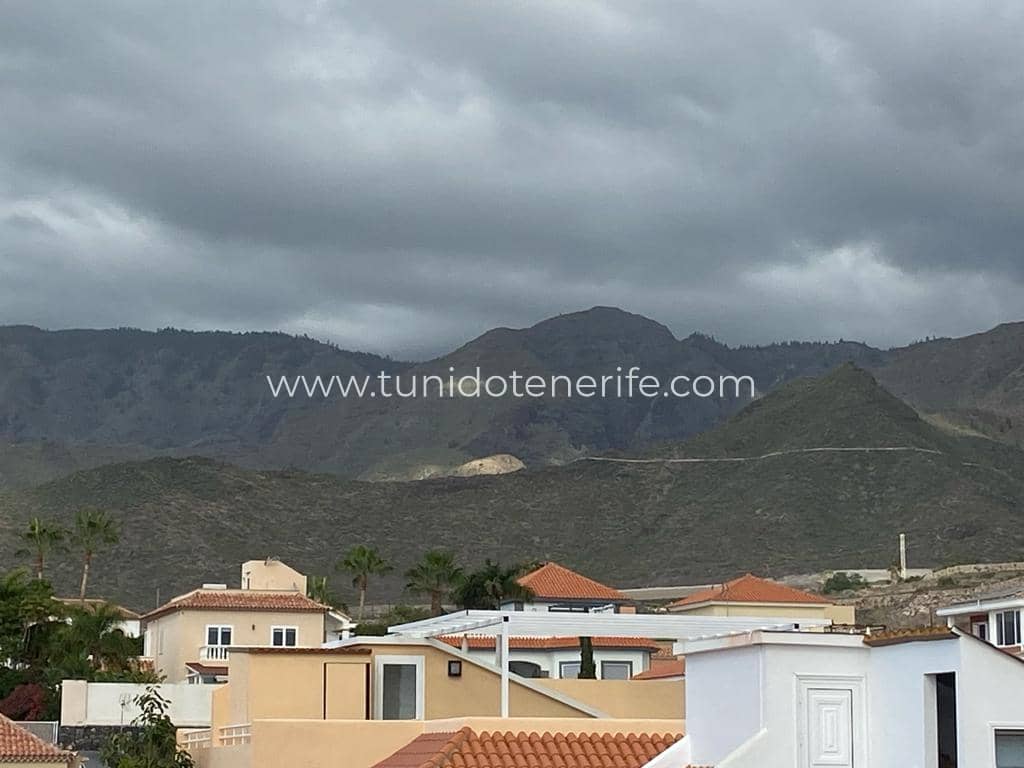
(841, 581)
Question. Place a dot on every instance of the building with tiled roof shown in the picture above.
(557, 588)
(664, 669)
(19, 747)
(507, 749)
(190, 636)
(751, 595)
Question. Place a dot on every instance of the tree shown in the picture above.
(362, 562)
(41, 538)
(24, 602)
(491, 585)
(588, 669)
(94, 529)
(94, 639)
(318, 589)
(152, 744)
(434, 576)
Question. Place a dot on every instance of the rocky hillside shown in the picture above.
(76, 399)
(781, 510)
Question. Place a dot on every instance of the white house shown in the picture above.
(994, 616)
(935, 698)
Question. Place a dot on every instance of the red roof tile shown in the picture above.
(750, 589)
(662, 668)
(477, 642)
(240, 600)
(915, 635)
(467, 749)
(17, 745)
(553, 581)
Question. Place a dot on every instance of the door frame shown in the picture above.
(857, 686)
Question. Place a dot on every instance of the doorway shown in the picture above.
(945, 719)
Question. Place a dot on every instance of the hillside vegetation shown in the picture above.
(192, 520)
(77, 399)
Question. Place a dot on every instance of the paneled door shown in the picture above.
(828, 728)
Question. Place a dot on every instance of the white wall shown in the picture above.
(723, 702)
(749, 694)
(85, 703)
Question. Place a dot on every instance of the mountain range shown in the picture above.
(820, 473)
(82, 398)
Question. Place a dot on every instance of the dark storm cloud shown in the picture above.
(400, 176)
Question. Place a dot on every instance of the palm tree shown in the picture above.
(94, 529)
(435, 575)
(318, 589)
(41, 538)
(491, 585)
(363, 562)
(93, 638)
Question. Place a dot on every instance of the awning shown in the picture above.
(656, 626)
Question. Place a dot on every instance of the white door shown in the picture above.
(829, 735)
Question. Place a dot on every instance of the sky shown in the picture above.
(401, 177)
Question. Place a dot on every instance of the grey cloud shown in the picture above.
(401, 176)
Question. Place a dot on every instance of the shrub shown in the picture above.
(840, 581)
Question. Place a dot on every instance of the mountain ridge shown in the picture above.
(80, 398)
(190, 520)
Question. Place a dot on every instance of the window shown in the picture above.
(218, 634)
(284, 637)
(1008, 628)
(398, 687)
(1009, 749)
(616, 670)
(980, 629)
(558, 608)
(569, 670)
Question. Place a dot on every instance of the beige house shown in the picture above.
(373, 696)
(751, 596)
(192, 637)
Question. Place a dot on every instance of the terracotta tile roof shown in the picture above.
(467, 749)
(240, 600)
(662, 668)
(17, 745)
(750, 589)
(477, 642)
(916, 635)
(553, 581)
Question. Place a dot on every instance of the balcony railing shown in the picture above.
(230, 735)
(198, 739)
(213, 653)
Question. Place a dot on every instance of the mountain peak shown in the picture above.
(846, 408)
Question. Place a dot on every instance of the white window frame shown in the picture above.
(1000, 635)
(379, 661)
(626, 662)
(284, 631)
(562, 664)
(218, 627)
(995, 726)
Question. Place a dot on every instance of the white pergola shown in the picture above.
(655, 626)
